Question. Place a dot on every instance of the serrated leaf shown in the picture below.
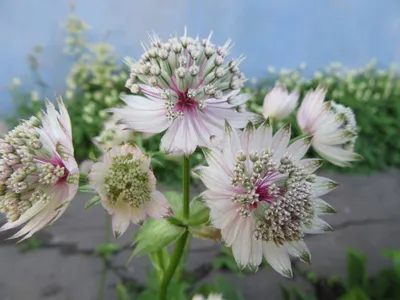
(86, 189)
(155, 235)
(175, 199)
(94, 201)
(206, 233)
(199, 212)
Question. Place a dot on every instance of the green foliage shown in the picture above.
(105, 250)
(33, 243)
(373, 96)
(357, 286)
(155, 235)
(93, 201)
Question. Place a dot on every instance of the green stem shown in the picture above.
(186, 187)
(180, 244)
(175, 258)
(100, 295)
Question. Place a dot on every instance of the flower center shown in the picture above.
(127, 182)
(277, 195)
(185, 103)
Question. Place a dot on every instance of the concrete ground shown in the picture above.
(65, 268)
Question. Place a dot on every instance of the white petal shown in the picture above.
(299, 148)
(318, 226)
(299, 249)
(30, 213)
(322, 186)
(158, 206)
(181, 138)
(311, 164)
(278, 258)
(120, 222)
(280, 142)
(263, 137)
(241, 247)
(230, 144)
(336, 155)
(322, 208)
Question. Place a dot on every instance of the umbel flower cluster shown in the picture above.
(262, 194)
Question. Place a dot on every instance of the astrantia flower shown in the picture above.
(189, 90)
(112, 134)
(279, 104)
(127, 187)
(264, 197)
(210, 297)
(332, 126)
(39, 175)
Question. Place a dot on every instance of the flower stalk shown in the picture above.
(181, 243)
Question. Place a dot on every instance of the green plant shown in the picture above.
(373, 94)
(356, 286)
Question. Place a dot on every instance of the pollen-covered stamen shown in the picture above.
(283, 219)
(127, 182)
(258, 185)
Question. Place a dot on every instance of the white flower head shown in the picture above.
(112, 134)
(127, 187)
(279, 104)
(264, 196)
(39, 174)
(332, 126)
(189, 90)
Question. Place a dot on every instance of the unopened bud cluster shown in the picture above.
(24, 173)
(127, 182)
(185, 69)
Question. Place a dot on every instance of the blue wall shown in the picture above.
(279, 33)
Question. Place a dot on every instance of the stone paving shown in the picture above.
(65, 268)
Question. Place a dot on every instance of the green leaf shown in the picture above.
(94, 201)
(199, 212)
(285, 292)
(106, 249)
(356, 269)
(86, 189)
(355, 293)
(92, 156)
(122, 292)
(206, 233)
(155, 235)
(175, 199)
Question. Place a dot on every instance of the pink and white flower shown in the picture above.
(279, 104)
(332, 126)
(39, 174)
(127, 187)
(264, 197)
(188, 90)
